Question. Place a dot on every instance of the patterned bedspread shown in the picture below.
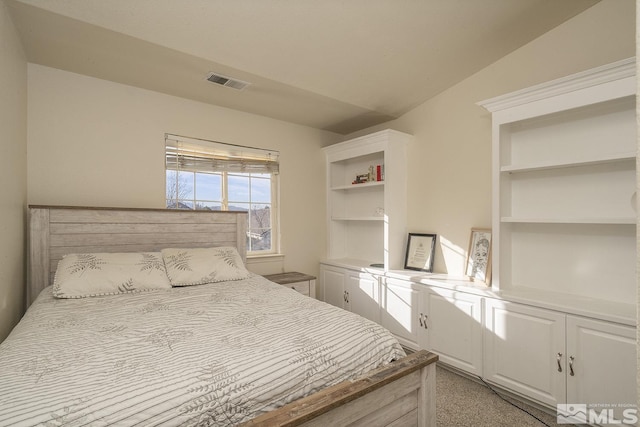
(208, 355)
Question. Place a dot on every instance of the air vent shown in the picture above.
(221, 80)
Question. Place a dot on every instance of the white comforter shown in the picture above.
(216, 354)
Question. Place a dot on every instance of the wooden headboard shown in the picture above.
(55, 231)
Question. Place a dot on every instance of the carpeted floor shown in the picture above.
(462, 402)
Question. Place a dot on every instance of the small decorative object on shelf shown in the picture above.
(361, 179)
(479, 256)
(374, 174)
(420, 252)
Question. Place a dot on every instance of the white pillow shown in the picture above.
(95, 274)
(186, 267)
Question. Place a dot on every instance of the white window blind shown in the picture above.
(197, 155)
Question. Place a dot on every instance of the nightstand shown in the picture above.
(303, 283)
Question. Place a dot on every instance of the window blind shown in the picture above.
(199, 155)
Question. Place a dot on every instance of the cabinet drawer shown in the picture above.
(302, 287)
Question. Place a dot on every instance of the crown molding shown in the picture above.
(595, 76)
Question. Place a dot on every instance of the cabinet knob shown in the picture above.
(559, 360)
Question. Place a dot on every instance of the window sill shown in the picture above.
(265, 258)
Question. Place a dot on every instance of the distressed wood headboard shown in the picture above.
(55, 231)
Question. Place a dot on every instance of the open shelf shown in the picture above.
(356, 187)
(613, 158)
(561, 220)
(367, 220)
(564, 188)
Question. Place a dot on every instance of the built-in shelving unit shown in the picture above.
(564, 182)
(367, 221)
(558, 324)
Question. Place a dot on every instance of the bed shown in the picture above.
(233, 352)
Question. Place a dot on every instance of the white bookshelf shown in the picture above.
(367, 221)
(564, 186)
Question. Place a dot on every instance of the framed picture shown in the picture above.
(479, 256)
(420, 252)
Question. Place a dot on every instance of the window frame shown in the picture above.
(274, 205)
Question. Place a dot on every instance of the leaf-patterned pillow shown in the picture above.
(186, 267)
(95, 274)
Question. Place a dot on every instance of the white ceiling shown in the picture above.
(338, 65)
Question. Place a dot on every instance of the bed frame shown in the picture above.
(399, 394)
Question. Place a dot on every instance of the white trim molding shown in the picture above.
(607, 73)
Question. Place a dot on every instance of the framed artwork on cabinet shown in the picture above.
(420, 252)
(478, 266)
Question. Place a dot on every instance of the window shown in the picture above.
(211, 175)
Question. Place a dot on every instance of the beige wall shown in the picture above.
(98, 143)
(13, 175)
(450, 160)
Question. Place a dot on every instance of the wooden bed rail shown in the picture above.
(399, 394)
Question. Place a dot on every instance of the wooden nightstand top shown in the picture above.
(289, 277)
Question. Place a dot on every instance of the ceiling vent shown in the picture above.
(221, 80)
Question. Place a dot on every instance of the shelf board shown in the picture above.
(557, 165)
(614, 221)
(357, 186)
(361, 264)
(613, 311)
(357, 218)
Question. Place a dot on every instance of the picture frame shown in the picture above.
(420, 252)
(478, 265)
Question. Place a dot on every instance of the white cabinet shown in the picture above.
(367, 221)
(525, 350)
(564, 183)
(400, 310)
(445, 322)
(363, 294)
(332, 284)
(453, 328)
(601, 363)
(355, 291)
(556, 358)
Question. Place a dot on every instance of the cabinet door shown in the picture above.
(524, 350)
(604, 363)
(332, 280)
(454, 328)
(399, 310)
(363, 295)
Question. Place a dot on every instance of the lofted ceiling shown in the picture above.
(337, 65)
